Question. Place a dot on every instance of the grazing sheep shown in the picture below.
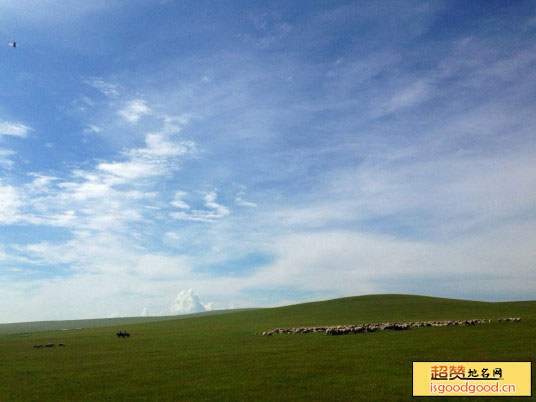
(396, 326)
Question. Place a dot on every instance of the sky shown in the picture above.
(162, 157)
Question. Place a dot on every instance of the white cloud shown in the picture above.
(14, 129)
(88, 101)
(215, 211)
(321, 264)
(411, 178)
(92, 129)
(243, 203)
(412, 95)
(86, 190)
(112, 90)
(131, 170)
(114, 314)
(344, 263)
(195, 216)
(421, 192)
(40, 183)
(5, 160)
(161, 266)
(173, 239)
(178, 202)
(159, 145)
(110, 195)
(157, 158)
(10, 202)
(109, 254)
(134, 110)
(187, 301)
(210, 202)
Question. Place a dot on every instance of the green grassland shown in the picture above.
(219, 357)
(72, 325)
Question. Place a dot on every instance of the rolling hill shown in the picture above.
(70, 325)
(222, 357)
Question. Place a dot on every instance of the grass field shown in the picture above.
(219, 357)
(71, 325)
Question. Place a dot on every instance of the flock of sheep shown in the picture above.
(352, 329)
(396, 326)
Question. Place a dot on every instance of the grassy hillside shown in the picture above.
(219, 357)
(43, 326)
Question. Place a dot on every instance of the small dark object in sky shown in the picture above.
(14, 44)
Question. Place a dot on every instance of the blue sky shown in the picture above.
(161, 157)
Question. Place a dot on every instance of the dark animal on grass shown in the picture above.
(61, 344)
(123, 334)
(510, 319)
(38, 346)
(49, 345)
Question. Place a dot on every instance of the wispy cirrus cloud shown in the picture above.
(178, 201)
(10, 204)
(213, 211)
(239, 200)
(110, 195)
(159, 156)
(5, 158)
(406, 169)
(134, 110)
(412, 95)
(13, 129)
(109, 89)
(91, 128)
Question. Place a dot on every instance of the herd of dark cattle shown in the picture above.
(48, 345)
(120, 334)
(395, 326)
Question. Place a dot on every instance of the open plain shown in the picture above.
(225, 357)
